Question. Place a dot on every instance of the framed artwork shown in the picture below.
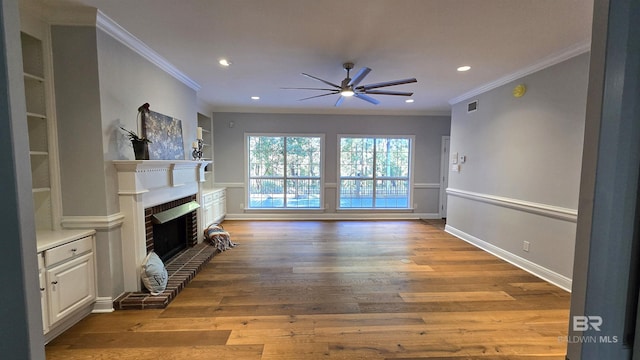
(165, 134)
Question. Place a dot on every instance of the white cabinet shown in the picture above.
(71, 285)
(66, 260)
(214, 207)
(207, 210)
(43, 293)
(219, 205)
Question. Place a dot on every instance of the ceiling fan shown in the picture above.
(349, 87)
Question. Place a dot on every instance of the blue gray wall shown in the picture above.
(229, 153)
(521, 178)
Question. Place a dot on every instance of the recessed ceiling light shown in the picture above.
(224, 62)
(255, 98)
(464, 68)
(408, 101)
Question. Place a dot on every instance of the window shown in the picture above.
(375, 172)
(285, 171)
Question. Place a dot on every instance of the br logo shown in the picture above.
(584, 323)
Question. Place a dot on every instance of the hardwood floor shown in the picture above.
(339, 290)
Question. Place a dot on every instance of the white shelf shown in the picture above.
(33, 77)
(37, 116)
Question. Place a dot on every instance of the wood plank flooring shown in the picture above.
(339, 290)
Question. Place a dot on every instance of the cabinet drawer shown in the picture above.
(207, 199)
(67, 251)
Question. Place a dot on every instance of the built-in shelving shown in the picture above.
(39, 125)
(206, 124)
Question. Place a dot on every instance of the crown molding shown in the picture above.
(70, 15)
(553, 59)
(113, 29)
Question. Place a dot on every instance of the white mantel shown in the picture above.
(146, 183)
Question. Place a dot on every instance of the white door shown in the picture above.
(444, 175)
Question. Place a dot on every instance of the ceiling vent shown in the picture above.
(472, 106)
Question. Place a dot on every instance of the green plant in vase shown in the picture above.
(140, 145)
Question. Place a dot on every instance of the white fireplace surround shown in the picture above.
(143, 184)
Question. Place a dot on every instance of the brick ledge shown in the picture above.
(181, 269)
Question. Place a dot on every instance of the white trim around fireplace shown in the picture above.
(143, 184)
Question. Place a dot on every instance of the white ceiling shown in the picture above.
(270, 42)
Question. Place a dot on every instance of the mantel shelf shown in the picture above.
(133, 165)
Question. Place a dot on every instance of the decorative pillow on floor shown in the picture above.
(154, 274)
(219, 238)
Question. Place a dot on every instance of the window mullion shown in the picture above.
(284, 179)
(375, 169)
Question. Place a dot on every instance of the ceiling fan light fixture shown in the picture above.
(350, 87)
(347, 92)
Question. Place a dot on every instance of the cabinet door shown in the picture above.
(70, 286)
(220, 206)
(43, 300)
(208, 215)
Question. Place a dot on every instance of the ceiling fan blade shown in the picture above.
(324, 81)
(384, 92)
(305, 88)
(317, 96)
(367, 98)
(340, 100)
(385, 84)
(359, 76)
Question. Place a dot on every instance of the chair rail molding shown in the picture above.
(107, 222)
(551, 211)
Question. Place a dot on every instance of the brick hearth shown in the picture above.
(181, 269)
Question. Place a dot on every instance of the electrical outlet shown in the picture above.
(525, 246)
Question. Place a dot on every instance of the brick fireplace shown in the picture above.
(145, 185)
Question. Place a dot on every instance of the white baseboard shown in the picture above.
(102, 305)
(333, 216)
(66, 323)
(559, 280)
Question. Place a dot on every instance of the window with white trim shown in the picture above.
(374, 172)
(285, 172)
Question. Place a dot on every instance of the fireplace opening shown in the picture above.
(170, 238)
(171, 227)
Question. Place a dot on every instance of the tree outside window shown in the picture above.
(284, 171)
(374, 172)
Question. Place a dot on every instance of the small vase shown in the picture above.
(140, 149)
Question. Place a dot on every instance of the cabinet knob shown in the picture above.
(54, 282)
(74, 250)
(41, 289)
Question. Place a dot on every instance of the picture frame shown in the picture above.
(165, 134)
